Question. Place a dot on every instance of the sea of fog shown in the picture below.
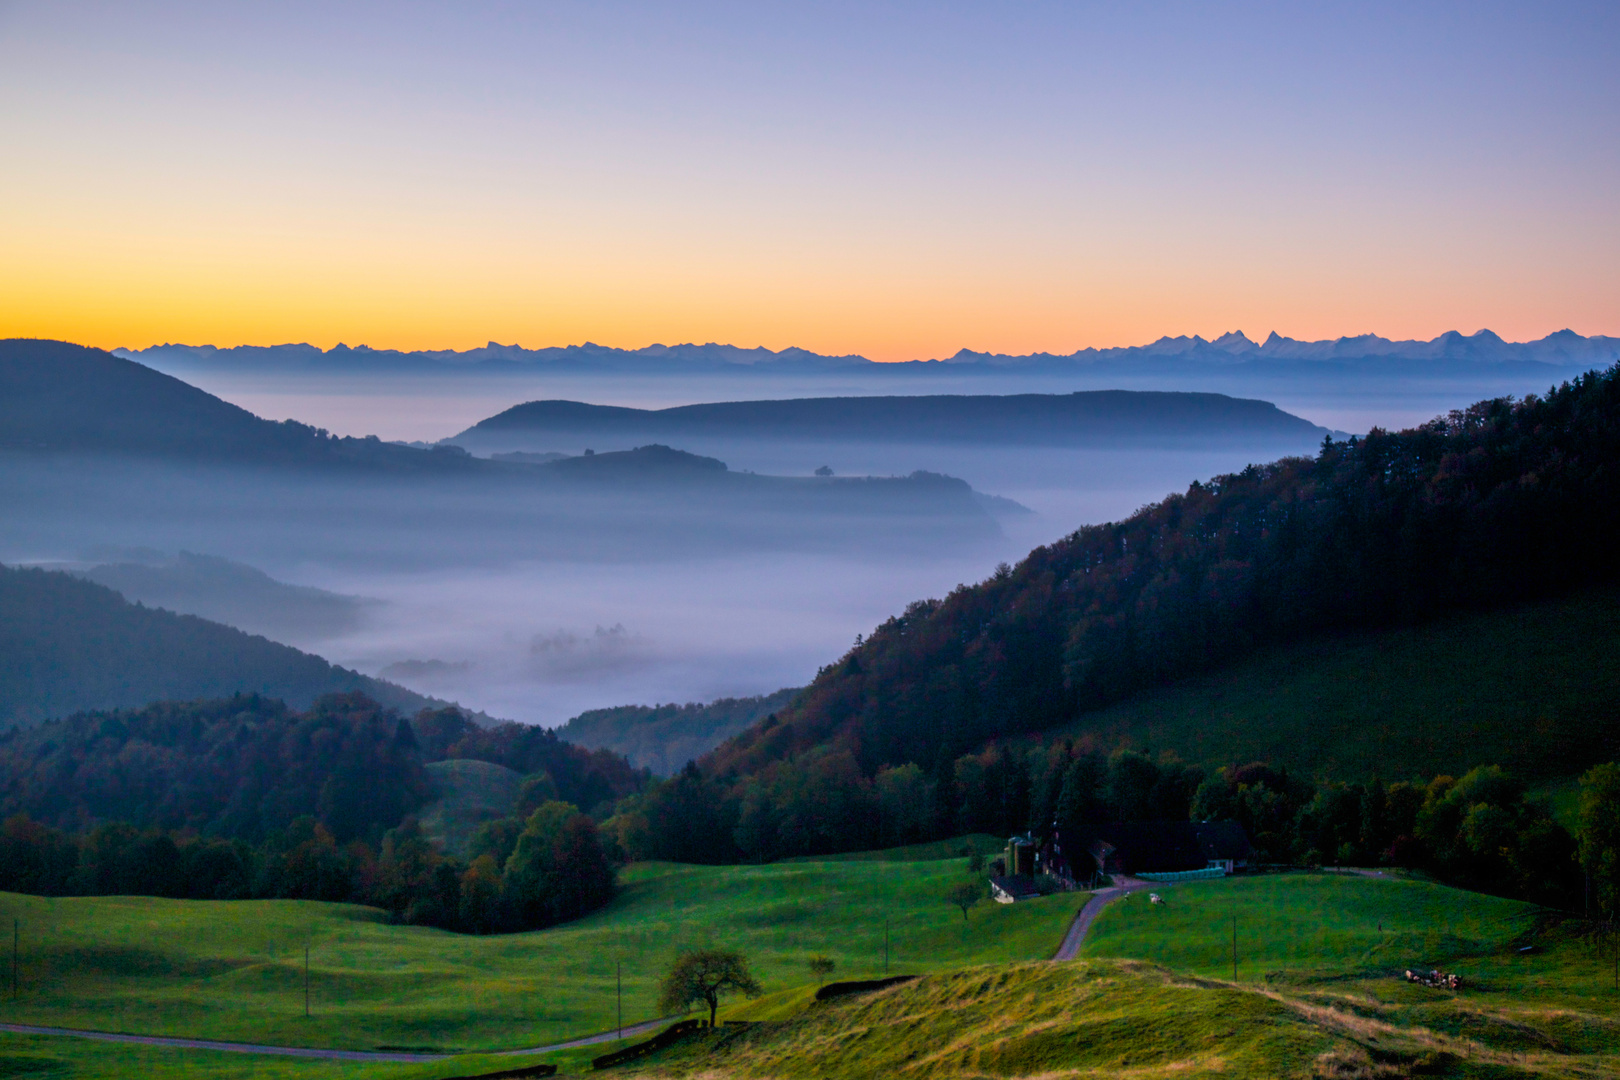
(466, 610)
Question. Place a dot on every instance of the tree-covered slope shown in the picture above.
(246, 765)
(1533, 687)
(67, 645)
(665, 737)
(1500, 503)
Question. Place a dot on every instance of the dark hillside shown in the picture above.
(665, 737)
(240, 768)
(245, 766)
(1500, 503)
(1532, 685)
(57, 397)
(1087, 418)
(67, 645)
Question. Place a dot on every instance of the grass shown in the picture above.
(1103, 1018)
(1318, 994)
(983, 843)
(1527, 687)
(1310, 926)
(235, 970)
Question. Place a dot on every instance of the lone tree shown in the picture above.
(703, 976)
(1598, 836)
(821, 967)
(965, 896)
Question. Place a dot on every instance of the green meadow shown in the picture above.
(235, 970)
(1318, 992)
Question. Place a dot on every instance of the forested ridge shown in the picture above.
(1501, 502)
(932, 726)
(67, 644)
(665, 737)
(244, 797)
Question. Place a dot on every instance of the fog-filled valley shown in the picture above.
(541, 590)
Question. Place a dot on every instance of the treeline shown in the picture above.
(244, 767)
(664, 737)
(556, 870)
(243, 797)
(1502, 502)
(1478, 831)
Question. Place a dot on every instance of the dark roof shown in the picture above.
(1019, 886)
(1145, 847)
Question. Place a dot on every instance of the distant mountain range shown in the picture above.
(1089, 418)
(1563, 349)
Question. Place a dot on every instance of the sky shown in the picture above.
(899, 181)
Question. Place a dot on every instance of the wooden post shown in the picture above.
(618, 981)
(1234, 946)
(16, 936)
(306, 982)
(885, 944)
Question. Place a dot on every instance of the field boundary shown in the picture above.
(178, 1043)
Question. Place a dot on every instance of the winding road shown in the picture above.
(1099, 900)
(1066, 951)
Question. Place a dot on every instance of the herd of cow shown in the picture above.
(1439, 980)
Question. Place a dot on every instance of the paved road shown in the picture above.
(642, 1028)
(1099, 900)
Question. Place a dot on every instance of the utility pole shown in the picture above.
(885, 944)
(618, 981)
(1234, 946)
(16, 937)
(306, 981)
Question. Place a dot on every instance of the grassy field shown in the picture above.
(1317, 994)
(235, 970)
(1530, 688)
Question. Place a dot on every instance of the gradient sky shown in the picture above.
(899, 181)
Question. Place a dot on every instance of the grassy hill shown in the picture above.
(1152, 996)
(1532, 687)
(69, 645)
(233, 970)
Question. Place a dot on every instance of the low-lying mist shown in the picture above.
(538, 604)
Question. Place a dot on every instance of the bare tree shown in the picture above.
(821, 967)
